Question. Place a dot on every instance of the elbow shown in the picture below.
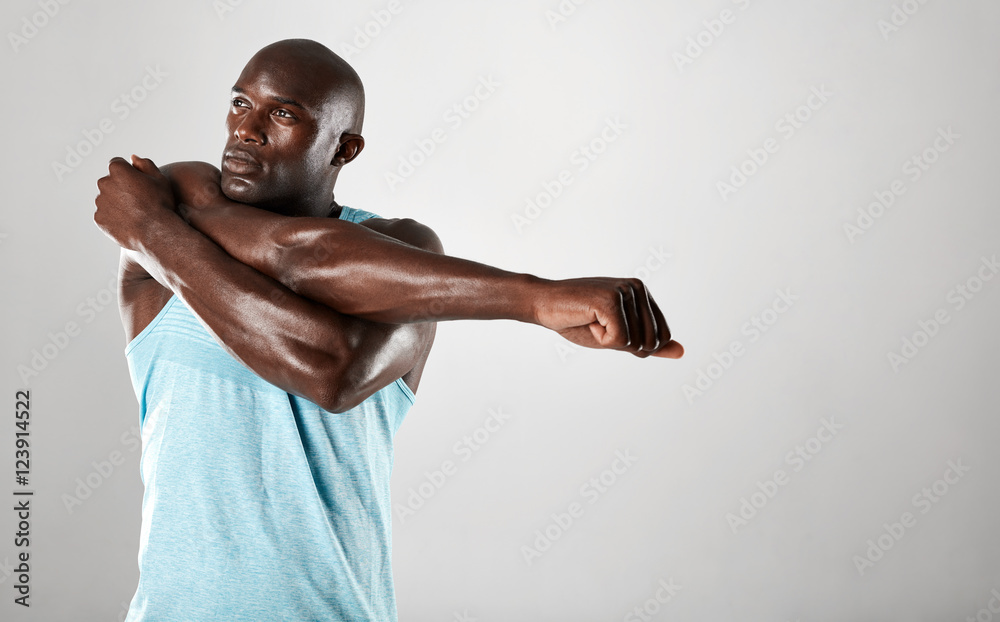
(333, 389)
(331, 401)
(337, 401)
(312, 373)
(325, 387)
(328, 373)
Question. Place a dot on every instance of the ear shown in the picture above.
(350, 146)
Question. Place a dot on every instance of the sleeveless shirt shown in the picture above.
(258, 504)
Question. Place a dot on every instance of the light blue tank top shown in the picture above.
(258, 505)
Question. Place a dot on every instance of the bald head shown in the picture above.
(328, 76)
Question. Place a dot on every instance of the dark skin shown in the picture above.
(323, 308)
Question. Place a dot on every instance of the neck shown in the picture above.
(335, 209)
(317, 206)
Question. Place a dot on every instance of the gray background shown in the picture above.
(654, 188)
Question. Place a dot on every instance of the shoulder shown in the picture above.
(407, 230)
(193, 183)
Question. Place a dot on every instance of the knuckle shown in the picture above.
(621, 341)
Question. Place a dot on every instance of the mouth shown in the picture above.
(239, 162)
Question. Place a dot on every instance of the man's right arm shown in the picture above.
(360, 272)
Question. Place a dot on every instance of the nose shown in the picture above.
(250, 129)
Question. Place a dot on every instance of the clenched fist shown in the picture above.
(131, 199)
(600, 312)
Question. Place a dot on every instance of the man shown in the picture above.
(275, 342)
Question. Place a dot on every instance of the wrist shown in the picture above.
(199, 216)
(161, 226)
(532, 295)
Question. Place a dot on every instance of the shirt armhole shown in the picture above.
(149, 327)
(407, 392)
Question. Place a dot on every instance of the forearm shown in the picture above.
(363, 273)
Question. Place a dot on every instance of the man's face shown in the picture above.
(280, 141)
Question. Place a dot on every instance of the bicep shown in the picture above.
(391, 351)
(384, 353)
(420, 334)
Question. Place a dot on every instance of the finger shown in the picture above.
(668, 348)
(631, 319)
(119, 167)
(640, 322)
(645, 303)
(662, 329)
(672, 350)
(637, 326)
(612, 331)
(145, 165)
